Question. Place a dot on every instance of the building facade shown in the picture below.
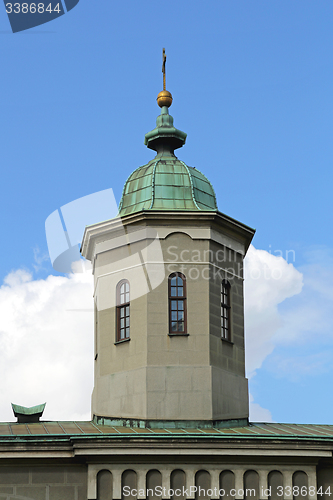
(170, 400)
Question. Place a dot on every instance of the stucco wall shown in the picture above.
(154, 375)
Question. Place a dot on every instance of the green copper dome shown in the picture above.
(166, 183)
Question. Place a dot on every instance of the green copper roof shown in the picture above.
(166, 183)
(165, 134)
(71, 430)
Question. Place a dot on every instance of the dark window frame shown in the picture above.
(123, 311)
(181, 305)
(225, 310)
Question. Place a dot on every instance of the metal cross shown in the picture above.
(163, 69)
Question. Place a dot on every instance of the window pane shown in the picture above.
(177, 303)
(225, 308)
(225, 294)
(123, 311)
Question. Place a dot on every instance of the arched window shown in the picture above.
(300, 485)
(275, 484)
(153, 482)
(104, 485)
(225, 310)
(177, 303)
(178, 482)
(130, 482)
(251, 485)
(123, 310)
(203, 484)
(227, 484)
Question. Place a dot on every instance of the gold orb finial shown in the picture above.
(164, 98)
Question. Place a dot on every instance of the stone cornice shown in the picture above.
(218, 221)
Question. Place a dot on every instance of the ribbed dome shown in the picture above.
(167, 184)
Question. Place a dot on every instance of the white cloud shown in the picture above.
(269, 280)
(257, 413)
(300, 327)
(46, 332)
(46, 344)
(311, 316)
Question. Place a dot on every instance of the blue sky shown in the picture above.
(252, 87)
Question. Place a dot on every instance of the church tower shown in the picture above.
(168, 294)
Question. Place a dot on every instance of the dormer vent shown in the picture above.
(28, 415)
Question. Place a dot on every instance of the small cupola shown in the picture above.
(28, 415)
(166, 183)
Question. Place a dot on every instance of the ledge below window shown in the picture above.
(122, 341)
(227, 341)
(178, 334)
